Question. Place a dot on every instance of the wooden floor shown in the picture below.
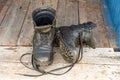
(97, 64)
(16, 29)
(16, 26)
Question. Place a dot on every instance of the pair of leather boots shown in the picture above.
(46, 33)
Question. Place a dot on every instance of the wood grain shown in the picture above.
(4, 10)
(67, 13)
(82, 11)
(97, 64)
(71, 12)
(98, 56)
(60, 21)
(17, 27)
(13, 21)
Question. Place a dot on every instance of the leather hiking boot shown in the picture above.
(44, 23)
(67, 44)
(87, 35)
(68, 37)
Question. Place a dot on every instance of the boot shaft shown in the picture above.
(44, 19)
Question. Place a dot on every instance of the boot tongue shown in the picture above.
(44, 29)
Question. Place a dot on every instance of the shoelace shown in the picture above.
(44, 39)
(43, 72)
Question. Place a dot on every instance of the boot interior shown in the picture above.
(44, 20)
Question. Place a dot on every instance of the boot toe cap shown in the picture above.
(43, 58)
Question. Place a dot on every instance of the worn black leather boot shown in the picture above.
(44, 23)
(87, 35)
(69, 37)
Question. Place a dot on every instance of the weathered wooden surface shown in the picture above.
(11, 25)
(97, 64)
(83, 11)
(67, 13)
(16, 26)
(71, 16)
(4, 10)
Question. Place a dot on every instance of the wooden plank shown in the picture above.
(50, 3)
(13, 21)
(99, 56)
(26, 35)
(98, 64)
(10, 71)
(27, 31)
(4, 10)
(94, 14)
(71, 16)
(82, 11)
(67, 13)
(54, 4)
(60, 21)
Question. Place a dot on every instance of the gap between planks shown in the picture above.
(24, 20)
(12, 22)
